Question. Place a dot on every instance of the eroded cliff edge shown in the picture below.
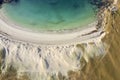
(108, 67)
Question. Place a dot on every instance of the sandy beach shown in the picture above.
(17, 33)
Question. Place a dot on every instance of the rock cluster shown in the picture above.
(7, 1)
(101, 3)
(2, 1)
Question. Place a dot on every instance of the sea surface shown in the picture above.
(50, 14)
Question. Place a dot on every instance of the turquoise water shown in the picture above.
(50, 14)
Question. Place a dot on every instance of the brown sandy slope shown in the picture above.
(11, 73)
(109, 67)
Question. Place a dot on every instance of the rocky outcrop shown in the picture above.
(7, 1)
(101, 3)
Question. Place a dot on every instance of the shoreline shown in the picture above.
(68, 36)
(63, 26)
(62, 31)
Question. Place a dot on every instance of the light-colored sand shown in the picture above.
(44, 61)
(115, 2)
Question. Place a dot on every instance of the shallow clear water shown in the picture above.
(50, 14)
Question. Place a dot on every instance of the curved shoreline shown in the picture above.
(70, 36)
(62, 31)
(53, 21)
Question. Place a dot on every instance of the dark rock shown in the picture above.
(1, 1)
(7, 1)
(101, 3)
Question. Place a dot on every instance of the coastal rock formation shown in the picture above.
(7, 1)
(101, 3)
